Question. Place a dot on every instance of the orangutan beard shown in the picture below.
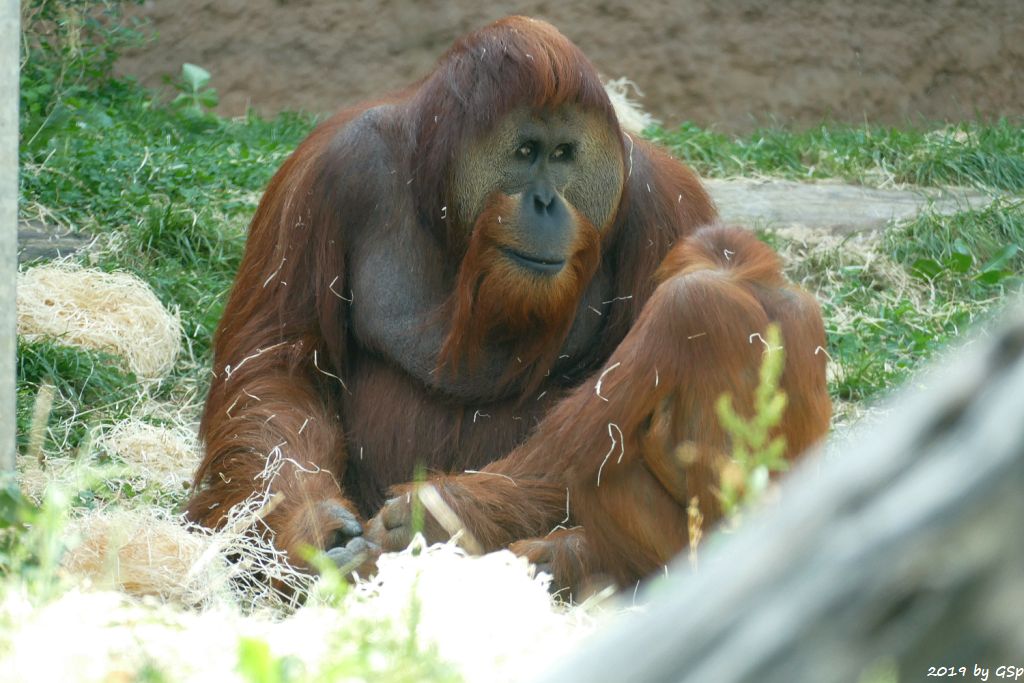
(496, 302)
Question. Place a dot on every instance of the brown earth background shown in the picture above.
(731, 64)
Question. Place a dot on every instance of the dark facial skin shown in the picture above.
(586, 182)
(548, 162)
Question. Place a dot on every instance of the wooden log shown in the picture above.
(904, 550)
(37, 240)
(833, 207)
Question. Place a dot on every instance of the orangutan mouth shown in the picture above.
(538, 264)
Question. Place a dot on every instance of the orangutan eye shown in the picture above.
(563, 152)
(527, 151)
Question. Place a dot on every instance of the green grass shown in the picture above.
(166, 190)
(890, 301)
(989, 156)
(169, 195)
(964, 250)
(169, 198)
(87, 385)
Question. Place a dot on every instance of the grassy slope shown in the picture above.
(990, 156)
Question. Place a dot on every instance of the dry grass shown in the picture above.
(146, 552)
(442, 600)
(139, 456)
(163, 456)
(112, 312)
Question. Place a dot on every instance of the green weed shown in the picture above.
(86, 386)
(194, 96)
(969, 251)
(756, 452)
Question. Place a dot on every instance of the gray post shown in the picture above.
(9, 59)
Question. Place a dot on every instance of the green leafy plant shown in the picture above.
(194, 96)
(970, 250)
(257, 664)
(68, 52)
(32, 538)
(756, 453)
(997, 268)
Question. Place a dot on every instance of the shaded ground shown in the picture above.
(719, 64)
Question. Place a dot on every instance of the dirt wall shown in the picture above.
(728, 64)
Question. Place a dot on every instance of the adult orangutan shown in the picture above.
(486, 277)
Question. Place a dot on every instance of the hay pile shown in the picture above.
(113, 312)
(151, 594)
(488, 615)
(160, 455)
(106, 636)
(487, 618)
(36, 477)
(145, 455)
(146, 552)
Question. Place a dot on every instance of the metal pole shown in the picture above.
(9, 59)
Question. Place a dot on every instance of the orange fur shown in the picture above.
(495, 301)
(295, 376)
(627, 486)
